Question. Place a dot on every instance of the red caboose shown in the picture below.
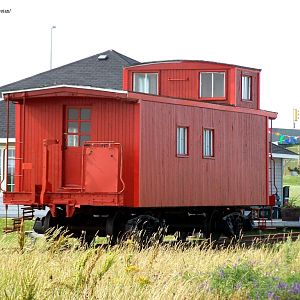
(184, 145)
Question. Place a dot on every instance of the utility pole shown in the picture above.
(53, 27)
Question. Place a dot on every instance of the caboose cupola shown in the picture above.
(196, 80)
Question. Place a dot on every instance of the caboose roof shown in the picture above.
(187, 63)
(86, 91)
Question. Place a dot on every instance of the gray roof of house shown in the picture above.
(277, 149)
(3, 120)
(90, 71)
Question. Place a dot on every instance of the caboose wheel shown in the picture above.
(182, 236)
(42, 225)
(233, 224)
(115, 227)
(213, 230)
(145, 230)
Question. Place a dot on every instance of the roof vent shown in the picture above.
(102, 57)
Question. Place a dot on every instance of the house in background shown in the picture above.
(280, 156)
(288, 139)
(104, 70)
(3, 156)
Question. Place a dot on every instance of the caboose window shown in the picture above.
(246, 87)
(145, 83)
(212, 84)
(78, 126)
(182, 141)
(208, 142)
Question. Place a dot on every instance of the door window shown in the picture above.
(78, 126)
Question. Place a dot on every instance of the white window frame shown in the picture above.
(3, 167)
(212, 85)
(146, 85)
(208, 143)
(246, 88)
(182, 136)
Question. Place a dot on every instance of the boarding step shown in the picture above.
(28, 213)
(16, 226)
(17, 223)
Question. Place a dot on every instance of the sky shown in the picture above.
(261, 34)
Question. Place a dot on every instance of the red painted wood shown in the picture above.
(182, 80)
(71, 169)
(254, 103)
(136, 158)
(63, 91)
(235, 176)
(113, 120)
(18, 154)
(72, 155)
(102, 165)
(145, 126)
(167, 100)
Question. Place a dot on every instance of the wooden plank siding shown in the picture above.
(182, 80)
(235, 176)
(254, 103)
(111, 121)
(179, 83)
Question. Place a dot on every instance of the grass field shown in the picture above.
(61, 269)
(294, 183)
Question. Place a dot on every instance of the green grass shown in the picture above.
(60, 269)
(294, 183)
(291, 180)
(28, 224)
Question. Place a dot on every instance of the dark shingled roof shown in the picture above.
(276, 149)
(3, 121)
(90, 71)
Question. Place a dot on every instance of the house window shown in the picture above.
(11, 169)
(212, 84)
(1, 167)
(208, 142)
(78, 126)
(246, 87)
(182, 141)
(145, 83)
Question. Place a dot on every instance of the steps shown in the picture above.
(28, 214)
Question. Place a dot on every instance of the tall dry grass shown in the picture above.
(59, 268)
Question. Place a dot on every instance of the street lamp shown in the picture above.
(53, 27)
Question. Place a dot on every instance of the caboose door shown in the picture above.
(77, 130)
